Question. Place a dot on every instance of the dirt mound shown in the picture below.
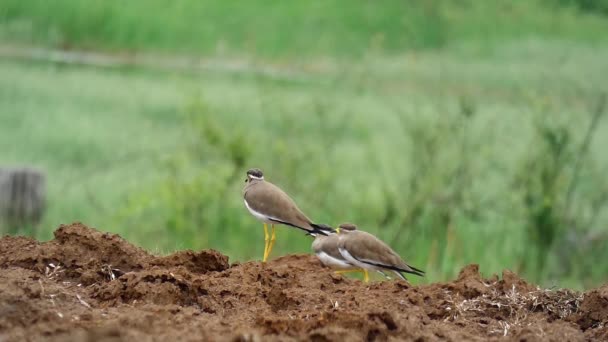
(89, 285)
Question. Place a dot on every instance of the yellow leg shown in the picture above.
(362, 270)
(266, 239)
(272, 238)
(348, 271)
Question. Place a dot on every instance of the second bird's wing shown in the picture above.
(368, 249)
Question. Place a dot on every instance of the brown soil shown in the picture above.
(89, 285)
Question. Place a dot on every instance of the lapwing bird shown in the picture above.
(271, 205)
(325, 248)
(367, 252)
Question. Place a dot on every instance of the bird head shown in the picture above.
(254, 174)
(346, 227)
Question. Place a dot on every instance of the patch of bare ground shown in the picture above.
(89, 285)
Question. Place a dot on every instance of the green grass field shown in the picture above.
(293, 29)
(440, 146)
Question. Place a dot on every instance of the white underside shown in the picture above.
(332, 262)
(258, 215)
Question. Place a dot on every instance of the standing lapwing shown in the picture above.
(271, 205)
(367, 252)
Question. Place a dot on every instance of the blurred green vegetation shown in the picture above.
(294, 29)
(457, 131)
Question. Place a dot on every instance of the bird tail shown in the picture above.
(413, 270)
(407, 269)
(321, 229)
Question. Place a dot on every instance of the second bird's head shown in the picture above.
(254, 174)
(346, 227)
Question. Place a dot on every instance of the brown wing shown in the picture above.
(270, 200)
(369, 249)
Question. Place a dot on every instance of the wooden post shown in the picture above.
(22, 198)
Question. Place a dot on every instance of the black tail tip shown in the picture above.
(416, 271)
(323, 229)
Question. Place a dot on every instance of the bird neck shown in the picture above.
(253, 181)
